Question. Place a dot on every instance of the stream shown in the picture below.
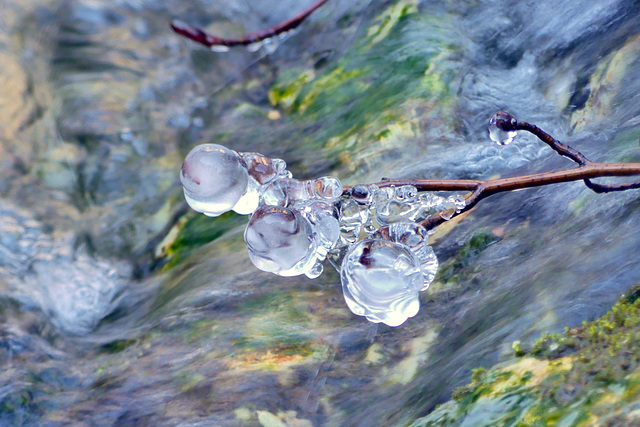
(121, 306)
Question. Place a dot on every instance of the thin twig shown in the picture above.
(198, 35)
(481, 189)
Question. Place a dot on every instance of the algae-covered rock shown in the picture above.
(586, 376)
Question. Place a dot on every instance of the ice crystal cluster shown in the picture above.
(369, 234)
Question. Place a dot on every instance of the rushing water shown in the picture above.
(119, 306)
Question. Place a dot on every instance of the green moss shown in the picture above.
(584, 376)
(196, 230)
(450, 270)
(390, 76)
(290, 83)
(278, 321)
(117, 346)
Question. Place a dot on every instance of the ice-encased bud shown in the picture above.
(262, 168)
(214, 178)
(415, 237)
(502, 128)
(381, 281)
(363, 194)
(280, 240)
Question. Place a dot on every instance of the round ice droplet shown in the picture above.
(502, 128)
(280, 241)
(214, 179)
(381, 280)
(414, 237)
(327, 188)
(362, 193)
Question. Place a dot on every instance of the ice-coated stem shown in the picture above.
(199, 36)
(480, 189)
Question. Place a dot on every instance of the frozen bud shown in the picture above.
(502, 128)
(363, 194)
(262, 168)
(381, 281)
(280, 241)
(214, 179)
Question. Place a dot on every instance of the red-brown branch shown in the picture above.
(481, 189)
(198, 35)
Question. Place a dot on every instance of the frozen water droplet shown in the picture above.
(254, 47)
(501, 128)
(381, 280)
(214, 179)
(413, 236)
(250, 200)
(323, 219)
(280, 241)
(406, 193)
(458, 201)
(351, 212)
(261, 168)
(219, 48)
(363, 194)
(328, 188)
(447, 214)
(315, 271)
(275, 195)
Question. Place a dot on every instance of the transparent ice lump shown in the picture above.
(496, 131)
(368, 207)
(382, 275)
(217, 179)
(295, 225)
(289, 242)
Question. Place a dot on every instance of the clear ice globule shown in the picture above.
(496, 133)
(382, 275)
(381, 281)
(413, 236)
(217, 179)
(280, 240)
(214, 179)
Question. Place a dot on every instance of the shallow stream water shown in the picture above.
(120, 306)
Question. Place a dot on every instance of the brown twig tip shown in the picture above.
(222, 44)
(195, 34)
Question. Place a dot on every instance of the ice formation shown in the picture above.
(383, 275)
(496, 133)
(295, 225)
(289, 242)
(217, 179)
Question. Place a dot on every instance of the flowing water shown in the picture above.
(119, 306)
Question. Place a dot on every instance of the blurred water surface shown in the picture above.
(119, 306)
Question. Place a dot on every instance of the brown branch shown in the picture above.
(481, 189)
(200, 36)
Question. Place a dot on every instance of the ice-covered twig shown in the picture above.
(200, 36)
(502, 128)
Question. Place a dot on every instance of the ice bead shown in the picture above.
(326, 189)
(280, 241)
(501, 128)
(262, 168)
(214, 179)
(381, 281)
(363, 194)
(415, 237)
(323, 218)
